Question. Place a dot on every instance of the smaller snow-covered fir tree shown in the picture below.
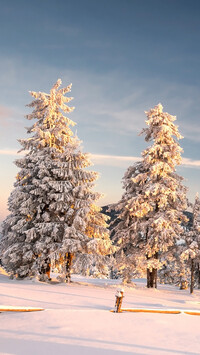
(174, 269)
(53, 206)
(129, 259)
(191, 252)
(151, 208)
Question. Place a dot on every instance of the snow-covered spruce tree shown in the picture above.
(191, 253)
(53, 207)
(151, 208)
(174, 269)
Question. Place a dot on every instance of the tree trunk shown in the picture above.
(152, 275)
(192, 277)
(198, 275)
(152, 278)
(45, 270)
(68, 264)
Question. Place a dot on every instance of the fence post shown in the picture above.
(118, 302)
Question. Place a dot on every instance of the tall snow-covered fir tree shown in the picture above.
(151, 208)
(53, 206)
(191, 253)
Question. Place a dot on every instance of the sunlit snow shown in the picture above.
(77, 319)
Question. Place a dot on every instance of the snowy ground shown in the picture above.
(77, 320)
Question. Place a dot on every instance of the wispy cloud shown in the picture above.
(104, 102)
(67, 31)
(12, 152)
(107, 100)
(191, 163)
(122, 109)
(5, 116)
(125, 161)
(111, 160)
(191, 131)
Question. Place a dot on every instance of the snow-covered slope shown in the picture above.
(77, 320)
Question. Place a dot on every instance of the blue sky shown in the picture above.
(122, 57)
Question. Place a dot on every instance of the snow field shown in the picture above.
(77, 320)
